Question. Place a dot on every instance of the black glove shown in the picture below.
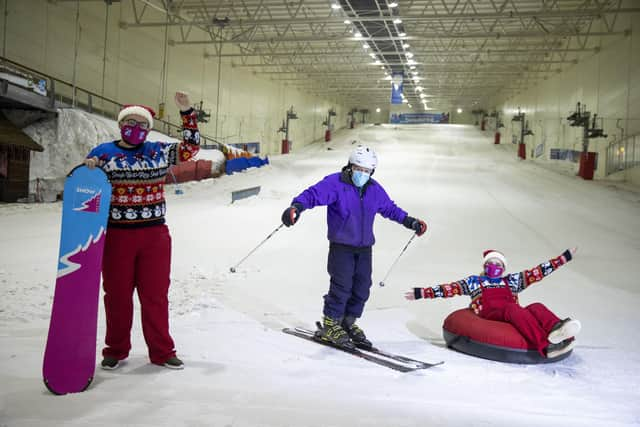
(418, 225)
(291, 214)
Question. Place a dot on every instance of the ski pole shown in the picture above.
(394, 262)
(233, 269)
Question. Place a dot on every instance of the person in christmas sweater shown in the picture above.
(353, 199)
(494, 297)
(137, 251)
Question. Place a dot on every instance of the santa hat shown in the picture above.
(493, 254)
(138, 110)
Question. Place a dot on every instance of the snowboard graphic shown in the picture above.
(70, 354)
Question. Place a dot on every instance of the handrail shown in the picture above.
(209, 142)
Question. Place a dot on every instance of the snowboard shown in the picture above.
(70, 353)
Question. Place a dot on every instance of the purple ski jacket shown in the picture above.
(350, 211)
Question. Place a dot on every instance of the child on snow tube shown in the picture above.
(494, 297)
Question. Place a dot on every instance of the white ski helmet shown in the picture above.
(364, 157)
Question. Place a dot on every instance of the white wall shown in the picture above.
(41, 35)
(608, 83)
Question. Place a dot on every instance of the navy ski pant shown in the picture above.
(350, 271)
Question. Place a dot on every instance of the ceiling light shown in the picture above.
(378, 110)
(393, 4)
(377, 62)
(419, 88)
(459, 110)
(365, 46)
(357, 34)
(406, 45)
(422, 95)
(397, 21)
(388, 78)
(413, 67)
(409, 106)
(405, 101)
(382, 68)
(402, 34)
(347, 22)
(409, 55)
(336, 6)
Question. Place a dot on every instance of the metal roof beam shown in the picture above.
(407, 18)
(433, 36)
(420, 52)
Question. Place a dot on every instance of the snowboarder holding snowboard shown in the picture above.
(494, 297)
(353, 199)
(137, 252)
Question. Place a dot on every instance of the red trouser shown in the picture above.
(534, 322)
(137, 258)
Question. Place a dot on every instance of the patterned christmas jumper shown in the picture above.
(137, 252)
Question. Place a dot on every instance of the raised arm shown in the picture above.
(446, 290)
(522, 280)
(190, 145)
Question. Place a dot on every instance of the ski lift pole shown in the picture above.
(233, 269)
(396, 261)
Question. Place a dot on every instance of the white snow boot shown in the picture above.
(564, 329)
(555, 350)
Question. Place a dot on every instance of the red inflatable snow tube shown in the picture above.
(468, 333)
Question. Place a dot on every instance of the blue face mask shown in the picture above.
(359, 178)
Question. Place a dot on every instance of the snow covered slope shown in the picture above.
(241, 371)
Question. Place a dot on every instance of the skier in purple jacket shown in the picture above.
(353, 199)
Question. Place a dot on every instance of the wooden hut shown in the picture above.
(15, 154)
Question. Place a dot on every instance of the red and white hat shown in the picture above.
(493, 254)
(138, 110)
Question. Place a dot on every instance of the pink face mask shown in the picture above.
(134, 135)
(493, 270)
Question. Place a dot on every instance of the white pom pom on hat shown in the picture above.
(493, 254)
(138, 110)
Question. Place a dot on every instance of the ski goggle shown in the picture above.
(132, 123)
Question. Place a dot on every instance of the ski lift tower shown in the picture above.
(524, 131)
(327, 123)
(286, 143)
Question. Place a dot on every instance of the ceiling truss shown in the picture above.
(460, 52)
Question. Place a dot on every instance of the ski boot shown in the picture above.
(331, 330)
(564, 329)
(555, 350)
(355, 332)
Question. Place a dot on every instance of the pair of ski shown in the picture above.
(375, 355)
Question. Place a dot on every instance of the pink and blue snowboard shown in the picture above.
(70, 354)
